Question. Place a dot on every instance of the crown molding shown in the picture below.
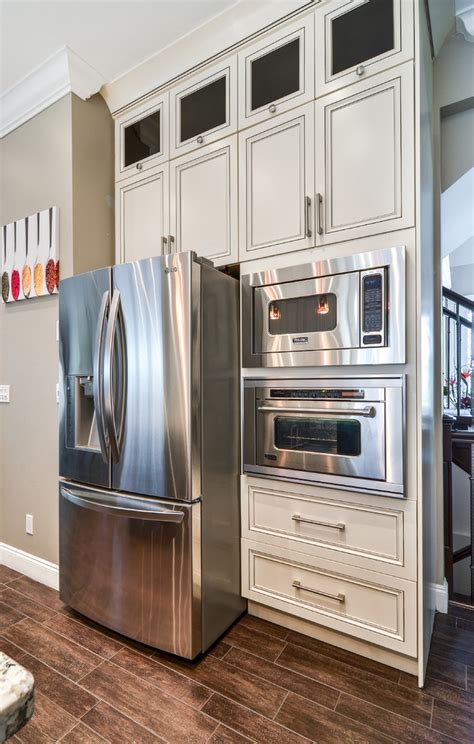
(465, 19)
(63, 72)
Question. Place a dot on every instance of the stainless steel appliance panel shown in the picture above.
(381, 301)
(310, 435)
(222, 602)
(159, 448)
(133, 565)
(344, 432)
(83, 309)
(345, 334)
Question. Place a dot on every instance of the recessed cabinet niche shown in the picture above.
(358, 38)
(276, 185)
(276, 74)
(365, 158)
(204, 108)
(141, 138)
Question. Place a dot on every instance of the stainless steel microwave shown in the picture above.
(347, 310)
(341, 432)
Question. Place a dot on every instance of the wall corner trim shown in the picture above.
(61, 73)
(36, 568)
(439, 596)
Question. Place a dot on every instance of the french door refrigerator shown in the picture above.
(149, 450)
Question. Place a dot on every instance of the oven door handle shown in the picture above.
(366, 411)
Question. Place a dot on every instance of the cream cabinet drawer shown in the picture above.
(363, 604)
(372, 532)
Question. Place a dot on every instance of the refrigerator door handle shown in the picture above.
(125, 509)
(97, 383)
(115, 322)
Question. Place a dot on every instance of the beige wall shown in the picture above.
(62, 157)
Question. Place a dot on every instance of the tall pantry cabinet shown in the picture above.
(302, 140)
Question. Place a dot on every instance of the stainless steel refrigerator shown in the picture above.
(149, 450)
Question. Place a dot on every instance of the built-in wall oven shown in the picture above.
(347, 310)
(341, 432)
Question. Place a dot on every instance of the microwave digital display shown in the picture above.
(306, 314)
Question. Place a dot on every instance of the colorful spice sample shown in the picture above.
(15, 284)
(26, 280)
(38, 278)
(5, 286)
(50, 276)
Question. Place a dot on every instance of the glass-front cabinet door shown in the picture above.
(204, 108)
(276, 73)
(141, 137)
(357, 38)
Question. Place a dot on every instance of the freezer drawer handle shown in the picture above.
(367, 411)
(157, 515)
(339, 526)
(97, 384)
(338, 597)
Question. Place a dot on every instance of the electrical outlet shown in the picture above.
(4, 393)
(29, 524)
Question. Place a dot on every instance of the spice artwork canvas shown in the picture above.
(30, 256)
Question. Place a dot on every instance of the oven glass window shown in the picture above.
(318, 435)
(313, 314)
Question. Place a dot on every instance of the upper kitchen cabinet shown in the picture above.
(358, 38)
(276, 74)
(142, 215)
(203, 201)
(365, 173)
(204, 108)
(141, 137)
(276, 185)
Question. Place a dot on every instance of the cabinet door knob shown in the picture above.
(200, 139)
(139, 166)
(272, 108)
(360, 69)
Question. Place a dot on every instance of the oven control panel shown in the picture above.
(318, 394)
(373, 301)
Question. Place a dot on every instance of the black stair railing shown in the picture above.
(458, 352)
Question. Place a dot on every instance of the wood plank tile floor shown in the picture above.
(259, 683)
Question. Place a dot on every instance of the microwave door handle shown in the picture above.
(97, 383)
(115, 321)
(366, 411)
(126, 508)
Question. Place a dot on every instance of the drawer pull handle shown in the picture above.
(339, 526)
(338, 597)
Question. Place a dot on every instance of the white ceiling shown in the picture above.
(112, 37)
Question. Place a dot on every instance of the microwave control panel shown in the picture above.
(373, 308)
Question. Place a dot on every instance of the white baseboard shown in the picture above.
(36, 568)
(439, 595)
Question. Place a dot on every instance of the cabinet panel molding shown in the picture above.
(276, 183)
(371, 532)
(297, 37)
(365, 172)
(196, 85)
(142, 113)
(142, 215)
(328, 16)
(364, 604)
(204, 201)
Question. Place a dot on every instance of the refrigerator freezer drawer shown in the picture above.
(134, 565)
